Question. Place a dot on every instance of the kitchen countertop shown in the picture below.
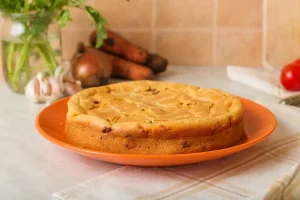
(33, 168)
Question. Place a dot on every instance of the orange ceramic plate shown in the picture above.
(259, 124)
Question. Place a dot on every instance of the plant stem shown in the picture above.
(10, 57)
(26, 6)
(48, 54)
(46, 57)
(52, 56)
(21, 61)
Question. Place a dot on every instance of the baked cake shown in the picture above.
(153, 117)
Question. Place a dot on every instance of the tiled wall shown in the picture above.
(187, 32)
(199, 32)
(281, 31)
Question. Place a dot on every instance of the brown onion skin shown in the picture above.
(91, 67)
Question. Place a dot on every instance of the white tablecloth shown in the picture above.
(269, 170)
(33, 168)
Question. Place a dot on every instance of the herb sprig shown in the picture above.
(61, 8)
(34, 16)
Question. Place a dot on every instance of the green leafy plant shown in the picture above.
(35, 16)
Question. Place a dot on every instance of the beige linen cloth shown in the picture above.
(269, 170)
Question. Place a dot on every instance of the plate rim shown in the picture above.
(224, 151)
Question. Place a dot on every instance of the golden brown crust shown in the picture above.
(86, 137)
(153, 111)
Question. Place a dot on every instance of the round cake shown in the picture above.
(154, 117)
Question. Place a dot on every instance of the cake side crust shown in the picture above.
(89, 138)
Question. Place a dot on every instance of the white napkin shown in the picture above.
(259, 78)
(287, 187)
(268, 171)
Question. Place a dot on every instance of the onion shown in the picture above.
(91, 66)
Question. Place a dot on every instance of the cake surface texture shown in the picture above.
(154, 117)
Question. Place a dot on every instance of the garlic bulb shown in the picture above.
(47, 89)
(43, 89)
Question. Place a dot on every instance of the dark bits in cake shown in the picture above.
(143, 130)
(213, 131)
(106, 129)
(230, 119)
(92, 107)
(186, 145)
(96, 102)
(211, 106)
(130, 145)
(154, 91)
(115, 119)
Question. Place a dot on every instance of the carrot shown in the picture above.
(121, 47)
(157, 63)
(126, 69)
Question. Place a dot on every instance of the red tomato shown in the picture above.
(290, 77)
(297, 62)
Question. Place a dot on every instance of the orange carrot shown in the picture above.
(126, 69)
(121, 47)
(157, 63)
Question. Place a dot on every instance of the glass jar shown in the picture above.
(31, 43)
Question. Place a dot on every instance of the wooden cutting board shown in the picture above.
(281, 32)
